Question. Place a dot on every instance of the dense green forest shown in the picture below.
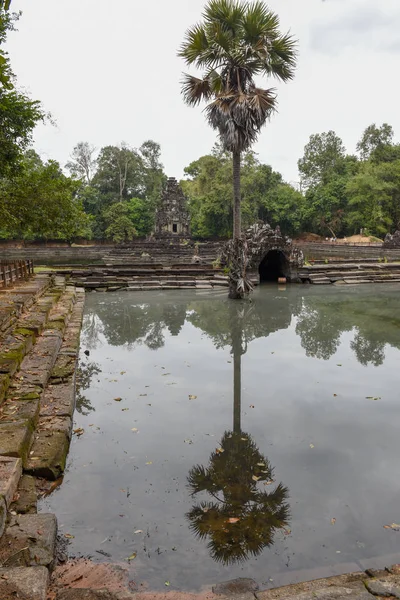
(112, 193)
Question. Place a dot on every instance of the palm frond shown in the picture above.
(259, 23)
(239, 116)
(282, 58)
(194, 44)
(228, 13)
(195, 90)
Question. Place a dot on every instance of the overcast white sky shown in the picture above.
(107, 70)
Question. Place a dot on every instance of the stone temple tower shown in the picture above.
(172, 218)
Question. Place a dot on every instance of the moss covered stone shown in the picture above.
(26, 502)
(49, 455)
(4, 383)
(16, 439)
(64, 367)
(20, 410)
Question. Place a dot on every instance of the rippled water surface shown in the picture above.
(225, 439)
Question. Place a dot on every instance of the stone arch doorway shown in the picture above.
(274, 265)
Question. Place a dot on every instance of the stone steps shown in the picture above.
(35, 430)
(351, 273)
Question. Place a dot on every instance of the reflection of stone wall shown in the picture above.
(392, 241)
(172, 217)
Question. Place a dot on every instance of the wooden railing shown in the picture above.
(13, 271)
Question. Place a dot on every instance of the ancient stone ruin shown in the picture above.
(172, 218)
(392, 241)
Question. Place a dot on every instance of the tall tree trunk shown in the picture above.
(237, 216)
(237, 383)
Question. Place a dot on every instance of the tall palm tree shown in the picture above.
(235, 43)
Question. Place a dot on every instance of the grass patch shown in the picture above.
(42, 269)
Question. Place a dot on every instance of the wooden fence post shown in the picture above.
(3, 274)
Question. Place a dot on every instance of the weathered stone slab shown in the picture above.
(26, 496)
(35, 321)
(37, 365)
(49, 425)
(20, 410)
(71, 340)
(9, 365)
(24, 582)
(22, 390)
(58, 400)
(29, 541)
(388, 586)
(64, 367)
(10, 473)
(3, 515)
(48, 456)
(4, 383)
(235, 587)
(15, 440)
(350, 586)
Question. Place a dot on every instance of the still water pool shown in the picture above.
(226, 439)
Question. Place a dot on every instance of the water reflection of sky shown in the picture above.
(312, 360)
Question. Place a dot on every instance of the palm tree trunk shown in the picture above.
(237, 217)
(237, 384)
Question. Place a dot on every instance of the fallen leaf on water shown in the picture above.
(132, 556)
(394, 526)
(142, 395)
(233, 520)
(255, 478)
(138, 531)
(188, 441)
(135, 429)
(339, 365)
(149, 463)
(165, 374)
(118, 399)
(312, 446)
(123, 409)
(79, 431)
(167, 583)
(192, 397)
(252, 406)
(122, 372)
(69, 536)
(219, 450)
(373, 398)
(335, 395)
(333, 521)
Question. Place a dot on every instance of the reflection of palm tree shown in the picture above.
(242, 517)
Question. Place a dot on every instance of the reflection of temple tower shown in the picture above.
(172, 217)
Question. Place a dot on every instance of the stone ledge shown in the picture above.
(10, 473)
(15, 440)
(29, 541)
(24, 582)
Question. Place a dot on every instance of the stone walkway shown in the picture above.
(40, 323)
(354, 586)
